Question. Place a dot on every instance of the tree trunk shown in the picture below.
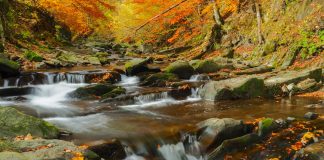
(214, 35)
(259, 20)
(4, 8)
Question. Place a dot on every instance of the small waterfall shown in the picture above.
(152, 97)
(187, 149)
(75, 78)
(199, 77)
(6, 83)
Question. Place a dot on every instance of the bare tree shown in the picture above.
(259, 20)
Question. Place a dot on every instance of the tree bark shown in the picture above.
(259, 20)
(214, 35)
(4, 8)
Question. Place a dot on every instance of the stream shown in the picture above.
(153, 125)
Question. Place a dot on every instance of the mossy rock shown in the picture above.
(206, 66)
(33, 56)
(160, 79)
(68, 57)
(8, 68)
(93, 60)
(265, 126)
(114, 93)
(92, 91)
(137, 66)
(181, 68)
(14, 123)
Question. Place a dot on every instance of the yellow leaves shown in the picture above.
(307, 137)
(297, 146)
(78, 156)
(27, 137)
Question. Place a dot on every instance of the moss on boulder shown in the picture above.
(33, 56)
(206, 66)
(160, 79)
(8, 67)
(137, 66)
(14, 123)
(114, 93)
(92, 91)
(181, 68)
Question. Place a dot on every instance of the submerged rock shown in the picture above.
(137, 66)
(14, 123)
(40, 149)
(181, 68)
(8, 68)
(214, 131)
(235, 88)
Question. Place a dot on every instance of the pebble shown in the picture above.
(311, 115)
(291, 119)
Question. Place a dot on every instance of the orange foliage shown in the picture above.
(79, 15)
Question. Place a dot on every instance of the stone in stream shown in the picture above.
(205, 66)
(113, 150)
(159, 79)
(212, 132)
(15, 91)
(181, 68)
(14, 123)
(40, 149)
(274, 84)
(137, 66)
(8, 68)
(231, 145)
(235, 88)
(256, 70)
(312, 152)
(311, 115)
(97, 90)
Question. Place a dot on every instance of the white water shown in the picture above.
(198, 77)
(90, 124)
(129, 83)
(160, 100)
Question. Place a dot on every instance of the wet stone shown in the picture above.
(311, 115)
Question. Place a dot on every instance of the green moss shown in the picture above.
(160, 79)
(265, 126)
(252, 88)
(33, 56)
(181, 68)
(11, 64)
(6, 145)
(114, 93)
(206, 66)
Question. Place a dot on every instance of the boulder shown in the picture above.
(290, 57)
(159, 79)
(68, 57)
(40, 149)
(234, 88)
(8, 68)
(19, 91)
(93, 60)
(92, 91)
(312, 152)
(274, 84)
(266, 126)
(14, 123)
(181, 68)
(308, 85)
(137, 66)
(206, 66)
(234, 144)
(114, 93)
(212, 132)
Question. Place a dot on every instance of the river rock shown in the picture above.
(159, 79)
(234, 144)
(14, 123)
(92, 91)
(311, 115)
(234, 88)
(214, 131)
(308, 85)
(93, 60)
(40, 149)
(275, 83)
(137, 66)
(68, 57)
(18, 91)
(266, 126)
(114, 93)
(8, 68)
(312, 152)
(181, 68)
(206, 66)
(112, 150)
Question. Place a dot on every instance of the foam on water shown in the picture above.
(129, 83)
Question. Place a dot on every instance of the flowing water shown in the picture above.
(149, 125)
